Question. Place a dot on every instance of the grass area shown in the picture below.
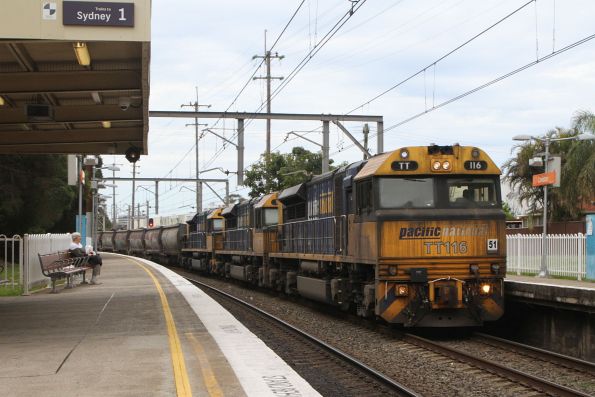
(7, 289)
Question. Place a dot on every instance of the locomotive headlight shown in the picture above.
(475, 153)
(474, 269)
(495, 268)
(404, 154)
(485, 289)
(402, 290)
(446, 165)
(436, 165)
(392, 270)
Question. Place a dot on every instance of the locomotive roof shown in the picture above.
(294, 193)
(267, 201)
(424, 156)
(229, 211)
(215, 214)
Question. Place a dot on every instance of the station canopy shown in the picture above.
(74, 76)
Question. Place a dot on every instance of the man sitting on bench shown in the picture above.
(76, 250)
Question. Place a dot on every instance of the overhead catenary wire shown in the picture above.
(325, 39)
(485, 85)
(210, 161)
(433, 64)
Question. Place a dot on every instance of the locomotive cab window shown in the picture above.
(216, 225)
(406, 192)
(271, 216)
(364, 197)
(472, 192)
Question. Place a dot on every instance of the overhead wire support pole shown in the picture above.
(239, 146)
(217, 194)
(241, 116)
(303, 137)
(352, 138)
(164, 179)
(196, 106)
(325, 146)
(267, 58)
(264, 116)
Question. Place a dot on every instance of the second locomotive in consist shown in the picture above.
(415, 236)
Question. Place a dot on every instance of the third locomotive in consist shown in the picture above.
(415, 236)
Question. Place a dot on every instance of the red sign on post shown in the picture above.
(547, 178)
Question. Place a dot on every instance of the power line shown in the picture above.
(433, 64)
(209, 162)
(326, 38)
(491, 82)
(500, 78)
(356, 5)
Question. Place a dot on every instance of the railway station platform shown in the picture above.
(567, 294)
(553, 314)
(144, 331)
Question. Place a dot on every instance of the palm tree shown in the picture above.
(578, 170)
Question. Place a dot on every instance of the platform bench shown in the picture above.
(61, 265)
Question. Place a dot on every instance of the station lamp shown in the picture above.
(132, 154)
(82, 53)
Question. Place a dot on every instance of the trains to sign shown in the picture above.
(414, 236)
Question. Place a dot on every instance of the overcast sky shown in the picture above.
(210, 45)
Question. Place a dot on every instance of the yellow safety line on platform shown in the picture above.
(207, 373)
(177, 356)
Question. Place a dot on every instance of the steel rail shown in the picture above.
(402, 390)
(514, 375)
(561, 359)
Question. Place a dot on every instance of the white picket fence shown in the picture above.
(40, 244)
(19, 263)
(566, 254)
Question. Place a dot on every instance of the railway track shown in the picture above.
(482, 375)
(540, 385)
(561, 360)
(326, 368)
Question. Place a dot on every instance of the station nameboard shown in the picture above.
(547, 178)
(98, 13)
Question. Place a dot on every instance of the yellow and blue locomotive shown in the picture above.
(415, 236)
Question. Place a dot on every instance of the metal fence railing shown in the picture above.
(566, 254)
(11, 261)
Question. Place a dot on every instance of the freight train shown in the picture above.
(415, 236)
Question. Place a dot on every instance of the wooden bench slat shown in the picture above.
(60, 264)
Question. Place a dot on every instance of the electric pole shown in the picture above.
(267, 58)
(195, 105)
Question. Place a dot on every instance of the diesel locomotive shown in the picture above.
(415, 236)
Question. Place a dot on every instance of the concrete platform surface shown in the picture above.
(568, 294)
(136, 334)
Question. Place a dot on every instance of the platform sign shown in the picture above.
(88, 13)
(547, 178)
(590, 246)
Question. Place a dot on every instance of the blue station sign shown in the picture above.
(98, 13)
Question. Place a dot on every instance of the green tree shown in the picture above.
(34, 194)
(578, 181)
(578, 170)
(507, 211)
(282, 171)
